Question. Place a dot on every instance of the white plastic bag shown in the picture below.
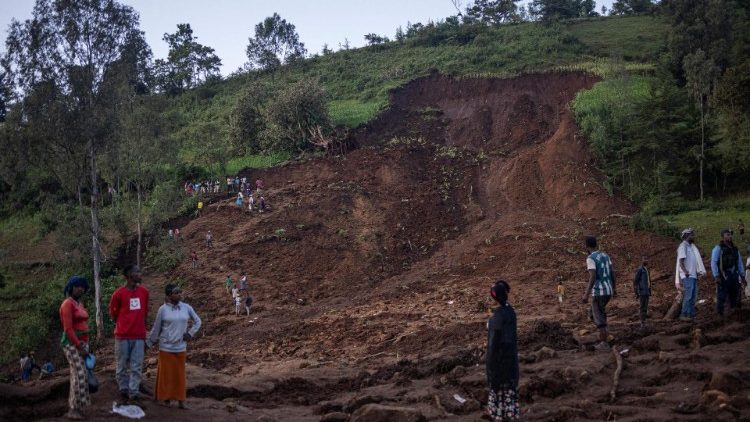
(129, 411)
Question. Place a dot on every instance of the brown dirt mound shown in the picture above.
(370, 274)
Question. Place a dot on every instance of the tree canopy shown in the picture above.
(276, 42)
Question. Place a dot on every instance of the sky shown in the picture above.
(225, 25)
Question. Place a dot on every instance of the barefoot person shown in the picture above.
(75, 337)
(502, 357)
(171, 332)
(601, 287)
(129, 310)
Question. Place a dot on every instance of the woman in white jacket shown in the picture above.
(171, 332)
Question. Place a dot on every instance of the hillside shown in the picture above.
(370, 276)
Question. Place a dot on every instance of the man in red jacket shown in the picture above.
(129, 309)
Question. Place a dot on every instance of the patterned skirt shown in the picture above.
(503, 404)
(79, 383)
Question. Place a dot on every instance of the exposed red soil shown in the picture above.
(370, 275)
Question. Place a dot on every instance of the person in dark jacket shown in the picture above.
(502, 357)
(642, 287)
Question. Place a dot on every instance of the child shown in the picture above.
(237, 303)
(642, 287)
(560, 292)
(248, 303)
(229, 283)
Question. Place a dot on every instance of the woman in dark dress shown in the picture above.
(502, 357)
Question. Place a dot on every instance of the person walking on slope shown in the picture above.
(171, 332)
(74, 342)
(601, 287)
(560, 293)
(248, 304)
(194, 259)
(229, 283)
(243, 283)
(502, 357)
(209, 240)
(129, 310)
(642, 288)
(689, 269)
(250, 203)
(728, 271)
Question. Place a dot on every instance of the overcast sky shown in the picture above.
(225, 25)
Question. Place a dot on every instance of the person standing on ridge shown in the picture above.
(502, 357)
(728, 271)
(171, 332)
(601, 287)
(560, 293)
(229, 283)
(129, 310)
(642, 288)
(74, 341)
(689, 269)
(209, 240)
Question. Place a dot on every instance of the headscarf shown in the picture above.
(499, 291)
(686, 232)
(74, 281)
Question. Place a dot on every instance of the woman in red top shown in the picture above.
(75, 338)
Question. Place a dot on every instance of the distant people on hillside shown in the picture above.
(601, 287)
(259, 184)
(262, 204)
(170, 234)
(194, 259)
(47, 369)
(229, 284)
(229, 184)
(560, 293)
(243, 283)
(237, 304)
(642, 288)
(728, 270)
(689, 269)
(171, 332)
(217, 186)
(25, 362)
(741, 229)
(248, 304)
(502, 357)
(209, 240)
(129, 309)
(74, 320)
(177, 233)
(199, 209)
(236, 184)
(250, 203)
(239, 200)
(235, 292)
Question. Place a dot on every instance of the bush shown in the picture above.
(165, 255)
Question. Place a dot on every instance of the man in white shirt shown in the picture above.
(689, 268)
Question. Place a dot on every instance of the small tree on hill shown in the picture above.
(632, 7)
(188, 64)
(296, 112)
(375, 39)
(552, 10)
(247, 120)
(276, 42)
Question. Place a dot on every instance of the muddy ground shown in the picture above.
(370, 277)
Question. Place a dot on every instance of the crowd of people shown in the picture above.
(240, 293)
(128, 308)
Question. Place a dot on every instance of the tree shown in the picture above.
(375, 39)
(326, 50)
(276, 42)
(72, 46)
(702, 75)
(552, 10)
(492, 12)
(247, 120)
(632, 7)
(188, 63)
(293, 115)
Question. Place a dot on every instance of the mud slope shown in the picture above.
(370, 274)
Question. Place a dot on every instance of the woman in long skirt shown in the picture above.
(171, 332)
(75, 337)
(502, 357)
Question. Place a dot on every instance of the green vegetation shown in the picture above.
(711, 218)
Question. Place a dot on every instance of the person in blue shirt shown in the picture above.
(728, 271)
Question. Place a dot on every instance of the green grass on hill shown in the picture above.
(709, 221)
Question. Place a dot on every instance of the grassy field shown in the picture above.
(716, 215)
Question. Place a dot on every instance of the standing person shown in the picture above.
(642, 288)
(502, 357)
(177, 233)
(47, 369)
(236, 184)
(689, 268)
(171, 332)
(229, 284)
(129, 310)
(194, 259)
(74, 341)
(25, 367)
(209, 240)
(235, 293)
(560, 292)
(239, 199)
(199, 209)
(601, 287)
(262, 206)
(170, 234)
(258, 184)
(250, 202)
(243, 283)
(741, 229)
(237, 304)
(229, 184)
(728, 271)
(248, 304)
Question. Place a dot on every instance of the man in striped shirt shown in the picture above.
(601, 287)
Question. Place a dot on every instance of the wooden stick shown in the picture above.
(616, 376)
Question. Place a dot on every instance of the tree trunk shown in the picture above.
(95, 245)
(703, 143)
(138, 223)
